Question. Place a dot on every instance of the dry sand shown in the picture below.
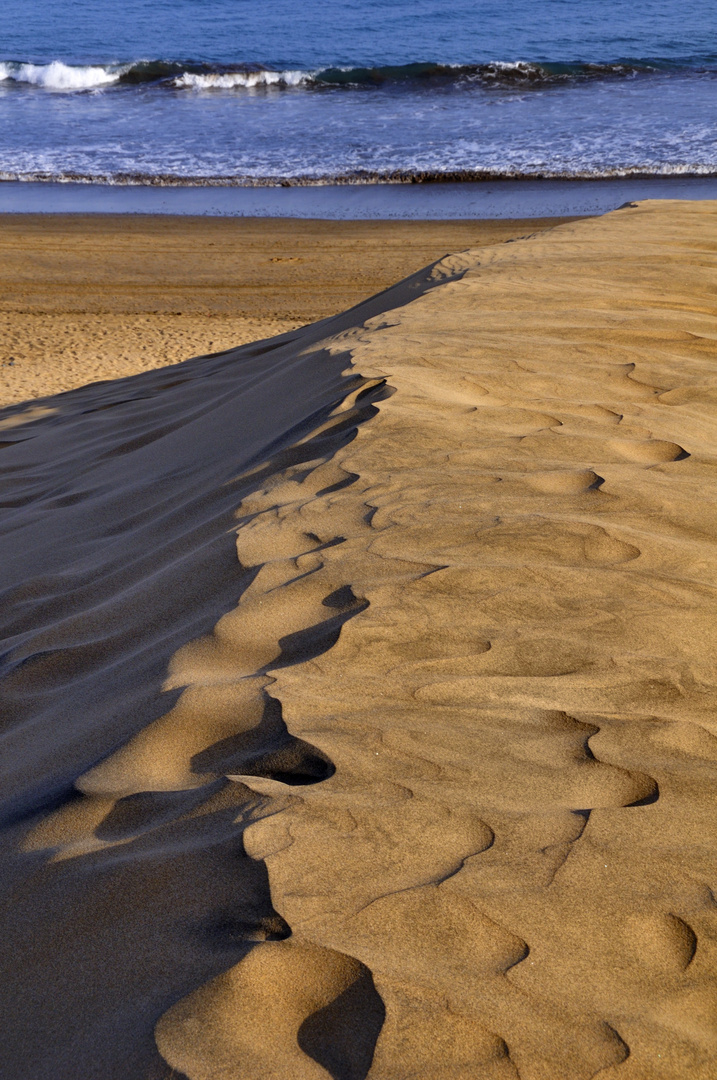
(423, 785)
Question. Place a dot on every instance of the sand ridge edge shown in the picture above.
(141, 479)
(516, 837)
(495, 860)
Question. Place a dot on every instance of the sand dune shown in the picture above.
(359, 686)
(103, 296)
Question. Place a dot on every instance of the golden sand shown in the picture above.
(422, 786)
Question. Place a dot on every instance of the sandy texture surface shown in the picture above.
(90, 297)
(422, 786)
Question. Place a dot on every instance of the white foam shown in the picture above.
(232, 80)
(58, 76)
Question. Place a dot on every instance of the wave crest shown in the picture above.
(231, 80)
(519, 73)
(171, 74)
(58, 75)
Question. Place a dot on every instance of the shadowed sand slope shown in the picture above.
(359, 688)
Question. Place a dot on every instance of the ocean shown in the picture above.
(222, 92)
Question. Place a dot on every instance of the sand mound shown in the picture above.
(421, 785)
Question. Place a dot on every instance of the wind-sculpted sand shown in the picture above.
(359, 686)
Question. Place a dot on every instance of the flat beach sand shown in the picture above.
(359, 686)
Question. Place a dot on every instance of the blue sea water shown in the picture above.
(271, 91)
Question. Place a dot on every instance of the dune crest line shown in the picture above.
(317, 1007)
(515, 839)
(122, 835)
(378, 749)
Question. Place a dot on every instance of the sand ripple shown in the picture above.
(362, 725)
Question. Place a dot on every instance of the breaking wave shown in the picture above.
(231, 80)
(60, 76)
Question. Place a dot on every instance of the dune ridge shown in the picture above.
(421, 786)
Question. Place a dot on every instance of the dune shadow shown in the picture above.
(96, 948)
(342, 1036)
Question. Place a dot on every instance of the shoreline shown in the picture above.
(502, 199)
(358, 178)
